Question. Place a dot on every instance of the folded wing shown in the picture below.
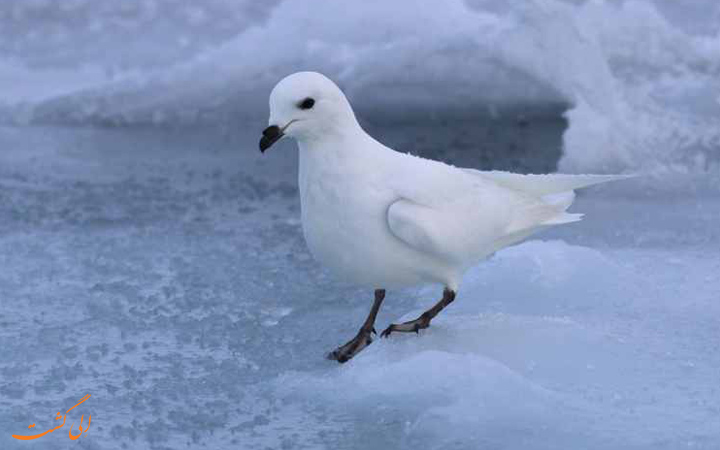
(488, 211)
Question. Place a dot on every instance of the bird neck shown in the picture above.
(341, 137)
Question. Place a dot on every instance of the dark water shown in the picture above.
(517, 143)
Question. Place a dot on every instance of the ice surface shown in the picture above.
(160, 265)
(164, 272)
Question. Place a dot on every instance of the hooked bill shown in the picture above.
(271, 135)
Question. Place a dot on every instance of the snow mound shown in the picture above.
(639, 78)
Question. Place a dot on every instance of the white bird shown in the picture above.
(382, 218)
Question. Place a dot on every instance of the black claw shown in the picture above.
(373, 330)
(349, 350)
(336, 355)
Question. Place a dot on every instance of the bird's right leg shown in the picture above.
(363, 337)
(424, 320)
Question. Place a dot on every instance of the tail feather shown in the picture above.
(562, 200)
(564, 218)
(542, 185)
(555, 192)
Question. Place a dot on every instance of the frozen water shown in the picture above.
(161, 267)
(164, 272)
(640, 77)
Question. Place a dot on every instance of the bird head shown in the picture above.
(306, 106)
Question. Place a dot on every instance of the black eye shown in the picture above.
(307, 103)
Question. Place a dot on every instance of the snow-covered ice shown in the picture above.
(638, 78)
(160, 265)
(165, 273)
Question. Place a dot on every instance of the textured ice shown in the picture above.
(164, 272)
(639, 78)
(161, 267)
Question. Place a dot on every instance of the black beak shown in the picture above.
(271, 135)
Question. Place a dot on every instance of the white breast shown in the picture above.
(346, 227)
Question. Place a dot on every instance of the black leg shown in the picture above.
(424, 320)
(363, 338)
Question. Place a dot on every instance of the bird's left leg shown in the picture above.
(363, 337)
(424, 320)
